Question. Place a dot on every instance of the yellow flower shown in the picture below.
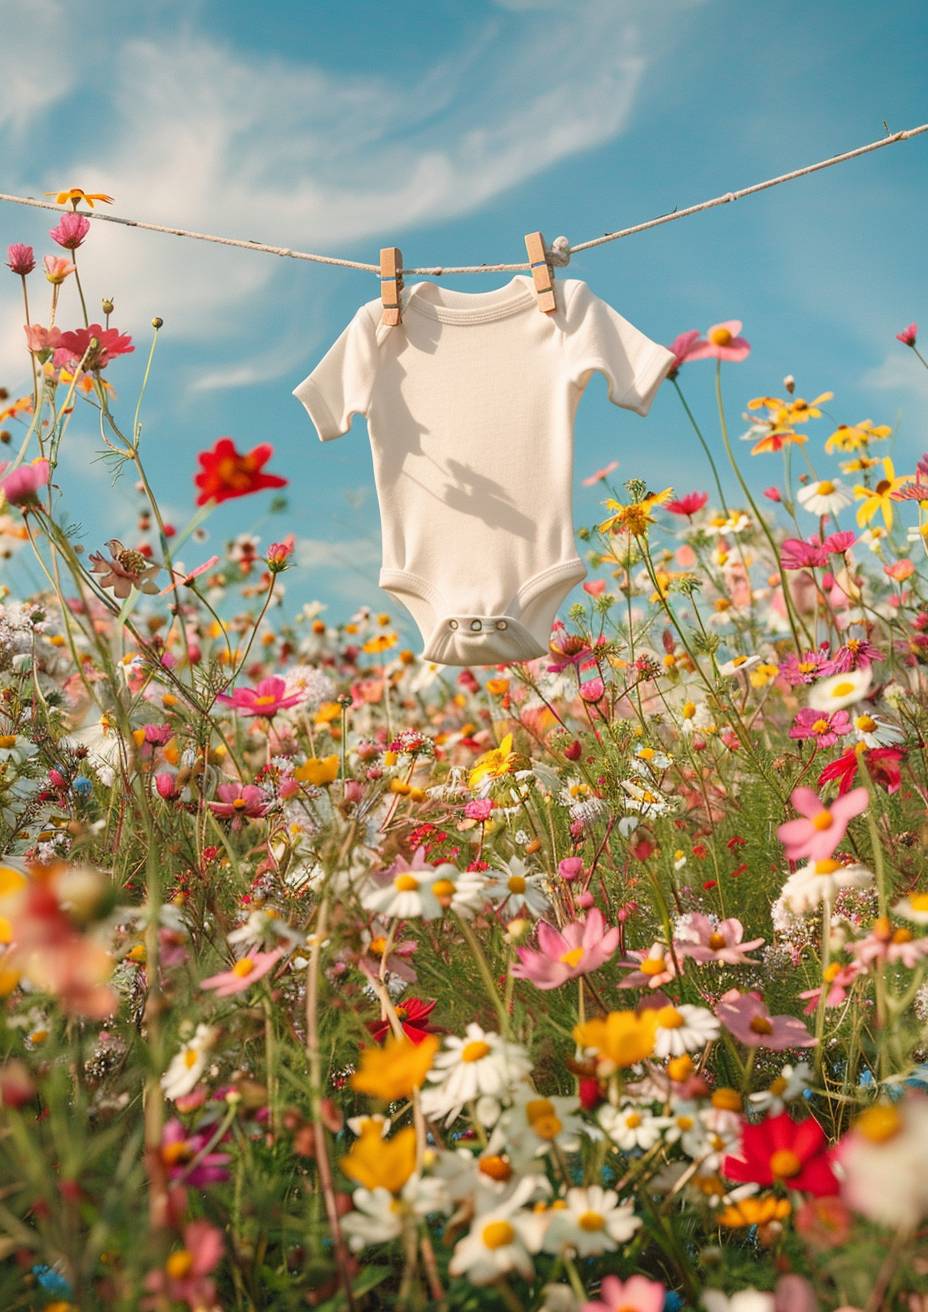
(759, 1210)
(878, 500)
(393, 1071)
(763, 674)
(380, 642)
(492, 764)
(622, 1038)
(850, 437)
(378, 1163)
(636, 516)
(317, 770)
(859, 464)
(77, 194)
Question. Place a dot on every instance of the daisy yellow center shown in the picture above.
(652, 965)
(243, 967)
(633, 1120)
(760, 1025)
(646, 753)
(498, 1234)
(591, 1221)
(865, 723)
(726, 1100)
(739, 660)
(826, 487)
(668, 1018)
(179, 1264)
(879, 1123)
(190, 1057)
(842, 689)
(720, 336)
(918, 901)
(824, 820)
(784, 1164)
(497, 1168)
(689, 710)
(378, 945)
(827, 866)
(405, 883)
(443, 888)
(778, 1085)
(476, 1050)
(543, 1118)
(902, 936)
(716, 941)
(572, 958)
(820, 726)
(516, 883)
(7, 739)
(685, 1123)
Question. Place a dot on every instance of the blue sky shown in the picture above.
(451, 130)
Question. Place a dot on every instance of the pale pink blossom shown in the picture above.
(246, 971)
(821, 826)
(577, 949)
(746, 1016)
(698, 937)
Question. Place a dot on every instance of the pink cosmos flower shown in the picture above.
(57, 269)
(278, 553)
(835, 989)
(723, 342)
(39, 339)
(856, 654)
(479, 809)
(185, 1277)
(655, 967)
(821, 828)
(22, 486)
(594, 690)
(688, 505)
(110, 343)
(178, 1149)
(240, 800)
(246, 971)
(600, 474)
(895, 947)
(746, 1016)
(698, 937)
(577, 949)
(685, 347)
(822, 727)
(269, 697)
(909, 335)
(20, 258)
(637, 1294)
(806, 668)
(70, 231)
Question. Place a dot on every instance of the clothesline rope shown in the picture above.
(435, 271)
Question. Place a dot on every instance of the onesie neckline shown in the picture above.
(450, 306)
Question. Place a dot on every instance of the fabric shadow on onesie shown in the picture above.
(470, 405)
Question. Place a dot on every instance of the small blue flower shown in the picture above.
(672, 1301)
(83, 786)
(52, 1281)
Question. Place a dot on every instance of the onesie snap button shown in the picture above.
(452, 624)
(476, 625)
(501, 624)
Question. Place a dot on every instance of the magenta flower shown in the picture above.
(269, 697)
(821, 828)
(39, 339)
(246, 971)
(479, 809)
(798, 554)
(577, 949)
(21, 487)
(835, 989)
(71, 230)
(856, 654)
(698, 937)
(723, 342)
(178, 1149)
(655, 967)
(110, 343)
(637, 1294)
(804, 669)
(908, 336)
(745, 1015)
(20, 258)
(685, 347)
(823, 727)
(687, 505)
(240, 800)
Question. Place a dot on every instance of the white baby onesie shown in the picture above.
(470, 406)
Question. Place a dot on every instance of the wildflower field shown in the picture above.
(331, 978)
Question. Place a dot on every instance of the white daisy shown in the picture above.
(479, 1065)
(514, 883)
(500, 1240)
(528, 1128)
(684, 1029)
(593, 1221)
(746, 1300)
(914, 907)
(840, 690)
(873, 731)
(738, 665)
(645, 801)
(790, 1084)
(826, 497)
(819, 881)
(408, 895)
(688, 1130)
(631, 1126)
(188, 1065)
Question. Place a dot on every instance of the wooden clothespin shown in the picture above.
(391, 284)
(542, 273)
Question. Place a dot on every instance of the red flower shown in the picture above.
(226, 473)
(110, 343)
(687, 505)
(779, 1150)
(413, 1016)
(882, 762)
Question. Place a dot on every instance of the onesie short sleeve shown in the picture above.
(341, 383)
(598, 338)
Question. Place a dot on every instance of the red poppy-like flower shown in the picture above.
(689, 504)
(413, 1015)
(882, 763)
(110, 343)
(779, 1150)
(226, 473)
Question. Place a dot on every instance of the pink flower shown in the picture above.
(704, 941)
(890, 947)
(576, 950)
(22, 485)
(687, 505)
(479, 809)
(835, 989)
(685, 347)
(804, 669)
(269, 697)
(178, 1150)
(593, 691)
(238, 800)
(57, 269)
(637, 1294)
(278, 553)
(746, 1016)
(773, 494)
(245, 972)
(185, 1276)
(823, 727)
(39, 339)
(181, 580)
(723, 343)
(20, 258)
(600, 474)
(821, 828)
(110, 343)
(655, 967)
(798, 554)
(70, 231)
(908, 336)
